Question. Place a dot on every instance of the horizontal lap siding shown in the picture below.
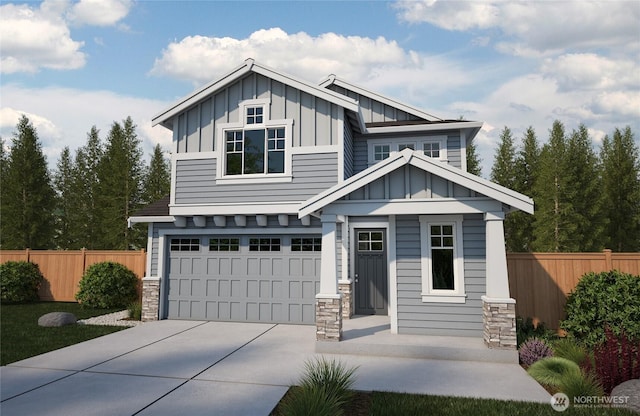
(417, 317)
(453, 151)
(312, 174)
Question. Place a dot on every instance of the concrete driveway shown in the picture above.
(221, 368)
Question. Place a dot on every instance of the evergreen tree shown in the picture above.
(503, 173)
(85, 184)
(157, 182)
(63, 182)
(526, 170)
(621, 189)
(120, 175)
(585, 193)
(503, 170)
(28, 199)
(555, 219)
(473, 160)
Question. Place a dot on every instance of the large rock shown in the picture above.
(630, 390)
(57, 319)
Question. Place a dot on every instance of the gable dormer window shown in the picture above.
(255, 146)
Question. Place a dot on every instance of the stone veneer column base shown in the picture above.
(499, 322)
(328, 317)
(150, 298)
(346, 289)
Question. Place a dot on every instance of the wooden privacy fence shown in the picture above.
(540, 282)
(63, 270)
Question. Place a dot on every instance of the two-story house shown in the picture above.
(293, 202)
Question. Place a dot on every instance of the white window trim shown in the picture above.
(428, 293)
(418, 142)
(221, 177)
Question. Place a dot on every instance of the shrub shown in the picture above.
(107, 285)
(570, 349)
(580, 384)
(601, 299)
(532, 350)
(20, 281)
(616, 360)
(551, 370)
(525, 329)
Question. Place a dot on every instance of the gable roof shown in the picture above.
(165, 117)
(435, 167)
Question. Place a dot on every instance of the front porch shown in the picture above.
(371, 335)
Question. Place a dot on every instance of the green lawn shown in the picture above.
(21, 337)
(400, 404)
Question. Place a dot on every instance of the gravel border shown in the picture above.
(113, 319)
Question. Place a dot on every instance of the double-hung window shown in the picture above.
(442, 258)
(256, 146)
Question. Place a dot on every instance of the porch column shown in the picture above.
(499, 309)
(328, 301)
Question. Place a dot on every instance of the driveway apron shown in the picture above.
(221, 368)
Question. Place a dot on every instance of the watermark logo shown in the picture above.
(560, 402)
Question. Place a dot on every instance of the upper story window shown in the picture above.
(255, 146)
(433, 146)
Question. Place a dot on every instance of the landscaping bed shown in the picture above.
(21, 337)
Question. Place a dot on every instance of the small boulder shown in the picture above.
(57, 319)
(629, 393)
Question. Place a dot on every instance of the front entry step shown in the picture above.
(371, 335)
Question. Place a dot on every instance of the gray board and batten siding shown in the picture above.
(444, 319)
(312, 174)
(316, 121)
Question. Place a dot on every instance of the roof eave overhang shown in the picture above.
(472, 126)
(149, 219)
(165, 118)
(334, 80)
(512, 199)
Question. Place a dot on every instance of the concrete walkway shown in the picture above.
(220, 368)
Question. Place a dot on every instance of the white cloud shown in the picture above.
(99, 12)
(62, 116)
(535, 28)
(39, 37)
(200, 59)
(35, 38)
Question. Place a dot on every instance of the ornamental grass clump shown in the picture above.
(324, 389)
(570, 349)
(533, 350)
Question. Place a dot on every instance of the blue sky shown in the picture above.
(69, 65)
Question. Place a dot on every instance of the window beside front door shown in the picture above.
(442, 258)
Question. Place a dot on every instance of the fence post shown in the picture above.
(27, 254)
(84, 260)
(607, 259)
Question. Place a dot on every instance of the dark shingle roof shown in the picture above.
(155, 209)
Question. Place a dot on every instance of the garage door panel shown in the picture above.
(243, 285)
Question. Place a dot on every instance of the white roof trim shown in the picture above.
(251, 66)
(332, 79)
(476, 125)
(157, 218)
(417, 159)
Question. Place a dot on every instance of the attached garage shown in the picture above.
(243, 278)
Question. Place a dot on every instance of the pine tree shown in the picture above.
(63, 182)
(585, 193)
(555, 219)
(120, 175)
(473, 160)
(621, 189)
(503, 173)
(28, 199)
(526, 171)
(85, 184)
(157, 181)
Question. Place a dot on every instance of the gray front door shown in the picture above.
(371, 288)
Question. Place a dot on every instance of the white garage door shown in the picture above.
(244, 278)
